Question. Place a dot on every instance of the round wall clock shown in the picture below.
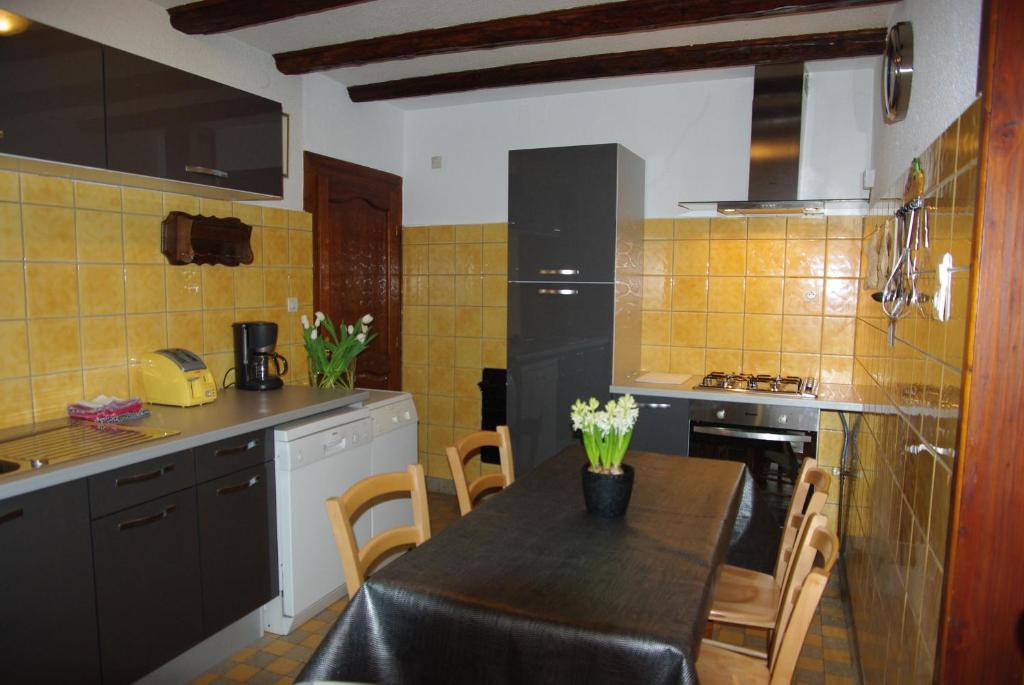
(897, 71)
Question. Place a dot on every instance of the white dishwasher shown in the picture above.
(314, 459)
(394, 448)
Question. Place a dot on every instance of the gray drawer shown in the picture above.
(227, 456)
(132, 485)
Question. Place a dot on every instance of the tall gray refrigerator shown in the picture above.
(565, 207)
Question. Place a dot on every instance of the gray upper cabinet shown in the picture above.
(71, 100)
(171, 124)
(562, 212)
(51, 105)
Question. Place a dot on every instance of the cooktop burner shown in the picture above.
(761, 383)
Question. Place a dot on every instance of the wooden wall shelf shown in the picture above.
(197, 239)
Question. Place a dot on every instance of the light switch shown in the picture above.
(293, 304)
(435, 162)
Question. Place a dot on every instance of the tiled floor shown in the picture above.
(826, 658)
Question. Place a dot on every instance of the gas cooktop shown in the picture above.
(761, 383)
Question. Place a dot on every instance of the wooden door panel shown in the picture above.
(357, 218)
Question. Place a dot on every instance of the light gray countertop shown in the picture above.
(233, 413)
(831, 396)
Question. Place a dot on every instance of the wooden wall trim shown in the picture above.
(778, 50)
(981, 634)
(605, 19)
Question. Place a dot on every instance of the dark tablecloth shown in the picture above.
(529, 588)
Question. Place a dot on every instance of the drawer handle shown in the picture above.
(205, 170)
(557, 291)
(559, 272)
(654, 405)
(229, 489)
(146, 520)
(228, 451)
(142, 477)
(11, 515)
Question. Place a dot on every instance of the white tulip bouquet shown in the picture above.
(332, 351)
(606, 433)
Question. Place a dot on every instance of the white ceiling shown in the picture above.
(387, 17)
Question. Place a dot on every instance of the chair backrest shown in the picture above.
(467, 447)
(809, 494)
(813, 559)
(346, 509)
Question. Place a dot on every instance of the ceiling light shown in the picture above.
(11, 23)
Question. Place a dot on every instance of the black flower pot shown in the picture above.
(606, 494)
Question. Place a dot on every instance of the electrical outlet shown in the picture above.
(435, 162)
(293, 304)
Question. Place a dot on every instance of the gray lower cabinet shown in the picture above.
(106, 579)
(663, 425)
(46, 588)
(148, 588)
(237, 544)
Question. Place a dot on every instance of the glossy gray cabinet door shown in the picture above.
(51, 97)
(148, 587)
(46, 588)
(562, 213)
(663, 425)
(165, 122)
(559, 350)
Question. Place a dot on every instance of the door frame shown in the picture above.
(981, 632)
(316, 188)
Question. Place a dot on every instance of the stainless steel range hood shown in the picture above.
(776, 122)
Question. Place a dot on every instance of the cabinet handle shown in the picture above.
(208, 171)
(557, 291)
(142, 477)
(11, 515)
(654, 405)
(229, 489)
(228, 451)
(146, 520)
(559, 272)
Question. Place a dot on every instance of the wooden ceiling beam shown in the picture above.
(780, 50)
(576, 22)
(216, 16)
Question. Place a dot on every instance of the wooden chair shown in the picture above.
(467, 447)
(804, 586)
(749, 598)
(347, 508)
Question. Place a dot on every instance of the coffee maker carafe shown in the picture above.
(257, 366)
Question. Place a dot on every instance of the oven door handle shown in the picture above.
(752, 435)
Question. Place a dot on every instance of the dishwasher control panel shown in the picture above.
(393, 416)
(327, 443)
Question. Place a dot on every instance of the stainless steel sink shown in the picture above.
(68, 440)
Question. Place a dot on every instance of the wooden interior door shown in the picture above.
(357, 257)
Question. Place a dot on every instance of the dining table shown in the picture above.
(531, 588)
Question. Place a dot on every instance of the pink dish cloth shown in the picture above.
(104, 408)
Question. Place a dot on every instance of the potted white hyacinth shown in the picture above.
(607, 482)
(332, 352)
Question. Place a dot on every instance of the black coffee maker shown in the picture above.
(254, 356)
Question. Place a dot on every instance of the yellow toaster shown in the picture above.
(176, 377)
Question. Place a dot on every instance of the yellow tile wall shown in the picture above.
(906, 445)
(453, 326)
(86, 289)
(762, 295)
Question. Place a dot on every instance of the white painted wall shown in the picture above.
(694, 135)
(839, 116)
(370, 134)
(946, 46)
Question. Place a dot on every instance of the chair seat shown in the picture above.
(717, 666)
(745, 597)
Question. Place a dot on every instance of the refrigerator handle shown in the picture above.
(557, 291)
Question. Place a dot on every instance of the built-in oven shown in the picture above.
(772, 440)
